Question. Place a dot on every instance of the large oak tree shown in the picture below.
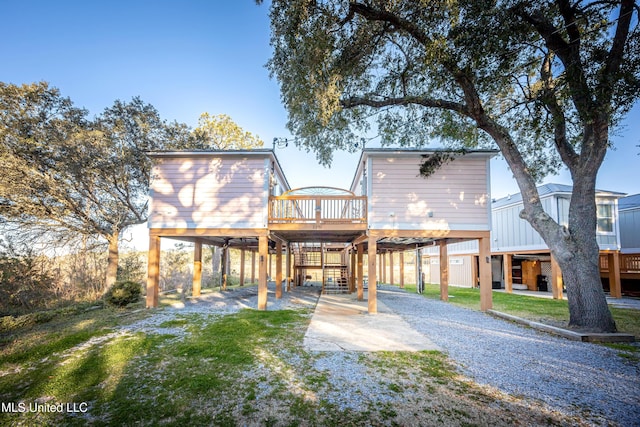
(64, 171)
(545, 82)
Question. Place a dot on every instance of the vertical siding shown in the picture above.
(460, 270)
(210, 192)
(456, 196)
(630, 229)
(468, 247)
(512, 232)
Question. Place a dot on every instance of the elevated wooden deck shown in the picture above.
(316, 209)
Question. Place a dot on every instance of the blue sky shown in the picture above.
(188, 57)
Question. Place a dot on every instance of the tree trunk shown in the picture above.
(577, 252)
(588, 309)
(112, 260)
(575, 248)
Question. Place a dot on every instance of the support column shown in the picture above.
(391, 281)
(352, 270)
(153, 271)
(383, 258)
(360, 256)
(507, 265)
(196, 285)
(475, 278)
(379, 260)
(372, 293)
(278, 270)
(419, 282)
(401, 270)
(444, 270)
(556, 279)
(263, 253)
(253, 267)
(486, 296)
(223, 266)
(615, 286)
(242, 267)
(288, 267)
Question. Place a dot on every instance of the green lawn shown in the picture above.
(528, 307)
(246, 368)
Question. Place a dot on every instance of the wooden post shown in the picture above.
(475, 260)
(278, 269)
(253, 267)
(153, 271)
(263, 252)
(288, 267)
(507, 265)
(352, 271)
(486, 296)
(383, 258)
(223, 266)
(372, 293)
(242, 267)
(379, 259)
(196, 285)
(360, 273)
(615, 286)
(444, 270)
(402, 270)
(556, 279)
(419, 282)
(391, 281)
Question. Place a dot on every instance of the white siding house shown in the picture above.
(241, 199)
(213, 190)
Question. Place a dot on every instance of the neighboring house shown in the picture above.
(520, 258)
(242, 199)
(629, 211)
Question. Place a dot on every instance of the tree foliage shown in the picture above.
(67, 172)
(543, 81)
(222, 133)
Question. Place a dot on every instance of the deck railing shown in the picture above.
(628, 263)
(318, 209)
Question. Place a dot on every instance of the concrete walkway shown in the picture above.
(341, 323)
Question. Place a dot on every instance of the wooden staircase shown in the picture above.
(331, 261)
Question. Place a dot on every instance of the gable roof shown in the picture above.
(629, 202)
(547, 190)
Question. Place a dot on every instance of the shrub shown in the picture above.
(123, 293)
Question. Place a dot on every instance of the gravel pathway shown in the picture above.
(520, 361)
(565, 376)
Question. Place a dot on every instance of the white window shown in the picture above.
(605, 217)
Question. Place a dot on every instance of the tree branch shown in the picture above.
(357, 101)
(614, 59)
(550, 101)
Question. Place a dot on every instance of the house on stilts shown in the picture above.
(242, 199)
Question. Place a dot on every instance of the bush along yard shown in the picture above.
(217, 361)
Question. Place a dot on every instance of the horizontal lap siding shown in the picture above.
(456, 194)
(208, 192)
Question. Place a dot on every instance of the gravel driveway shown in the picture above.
(522, 361)
(565, 376)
